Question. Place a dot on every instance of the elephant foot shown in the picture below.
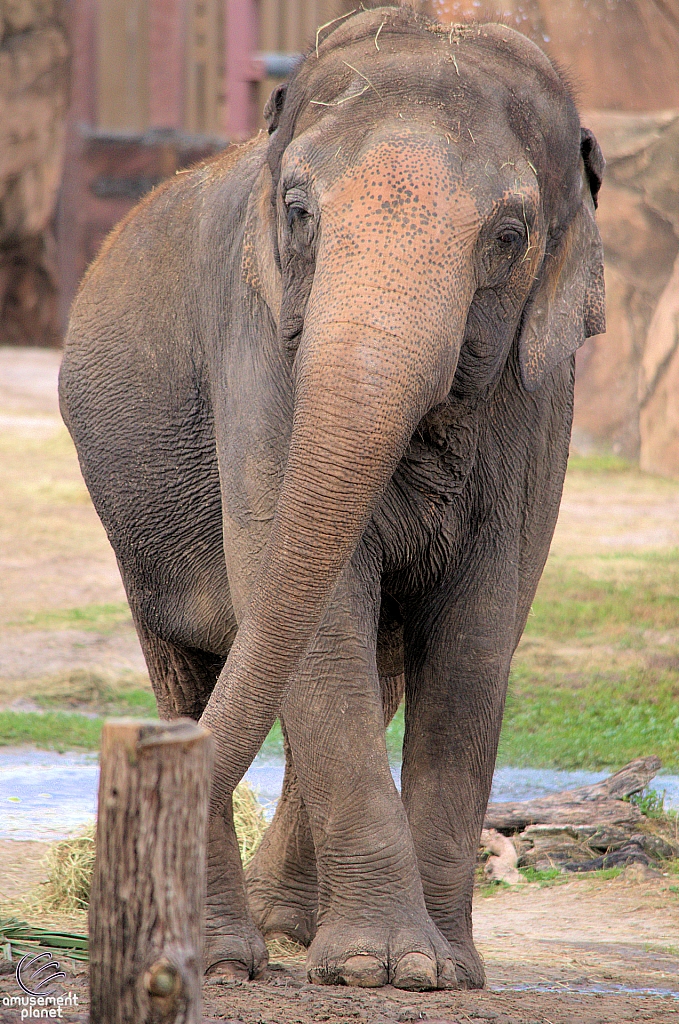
(233, 949)
(469, 968)
(282, 906)
(416, 959)
(281, 880)
(233, 946)
(275, 919)
(457, 929)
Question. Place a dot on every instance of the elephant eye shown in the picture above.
(511, 235)
(297, 213)
(295, 200)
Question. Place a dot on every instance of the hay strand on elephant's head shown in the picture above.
(70, 862)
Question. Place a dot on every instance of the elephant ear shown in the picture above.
(568, 305)
(274, 107)
(259, 238)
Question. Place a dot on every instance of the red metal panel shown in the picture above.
(167, 44)
(71, 214)
(241, 73)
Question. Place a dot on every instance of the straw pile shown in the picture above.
(249, 820)
(69, 873)
(70, 862)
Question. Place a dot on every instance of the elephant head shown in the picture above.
(427, 203)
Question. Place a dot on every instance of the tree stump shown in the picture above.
(146, 917)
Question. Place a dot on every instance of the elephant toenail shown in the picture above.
(415, 972)
(229, 970)
(364, 971)
(448, 975)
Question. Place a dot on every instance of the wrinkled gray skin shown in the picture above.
(321, 391)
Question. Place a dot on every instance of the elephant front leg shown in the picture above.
(281, 879)
(373, 926)
(233, 946)
(458, 654)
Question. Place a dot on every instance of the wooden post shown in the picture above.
(146, 917)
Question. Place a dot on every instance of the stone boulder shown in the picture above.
(34, 66)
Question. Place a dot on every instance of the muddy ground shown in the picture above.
(591, 951)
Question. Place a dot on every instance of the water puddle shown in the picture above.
(46, 796)
(587, 988)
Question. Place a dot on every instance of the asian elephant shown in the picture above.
(321, 390)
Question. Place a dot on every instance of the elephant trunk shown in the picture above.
(360, 391)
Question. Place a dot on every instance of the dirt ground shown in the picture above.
(590, 951)
(54, 554)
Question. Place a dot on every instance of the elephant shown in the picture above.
(321, 390)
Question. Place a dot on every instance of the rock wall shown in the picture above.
(622, 376)
(34, 65)
(619, 54)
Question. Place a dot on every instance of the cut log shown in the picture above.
(146, 912)
(600, 804)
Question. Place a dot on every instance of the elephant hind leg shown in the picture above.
(182, 677)
(281, 879)
(392, 689)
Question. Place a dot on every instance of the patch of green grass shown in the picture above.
(273, 744)
(137, 702)
(599, 464)
(595, 682)
(592, 727)
(604, 873)
(98, 618)
(601, 725)
(86, 689)
(395, 731)
(639, 591)
(486, 889)
(545, 879)
(54, 730)
(650, 802)
(60, 730)
(553, 876)
(533, 875)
